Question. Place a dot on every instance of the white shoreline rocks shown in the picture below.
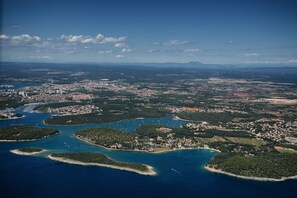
(247, 177)
(18, 152)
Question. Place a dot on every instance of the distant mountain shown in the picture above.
(164, 64)
(181, 65)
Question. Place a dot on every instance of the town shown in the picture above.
(264, 109)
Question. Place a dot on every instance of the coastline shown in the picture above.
(155, 152)
(138, 118)
(28, 108)
(262, 179)
(178, 118)
(29, 140)
(19, 140)
(151, 171)
(14, 118)
(18, 152)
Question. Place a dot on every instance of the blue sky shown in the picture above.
(209, 31)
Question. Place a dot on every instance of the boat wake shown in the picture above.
(176, 171)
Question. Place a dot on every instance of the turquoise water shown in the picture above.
(180, 173)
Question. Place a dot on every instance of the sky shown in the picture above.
(145, 31)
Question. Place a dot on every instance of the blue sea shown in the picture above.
(180, 173)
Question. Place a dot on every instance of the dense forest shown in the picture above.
(100, 159)
(268, 165)
(25, 133)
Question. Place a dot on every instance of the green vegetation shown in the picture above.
(30, 150)
(248, 141)
(150, 137)
(112, 113)
(237, 140)
(268, 165)
(153, 131)
(10, 102)
(100, 159)
(208, 117)
(213, 132)
(236, 147)
(149, 130)
(106, 137)
(25, 133)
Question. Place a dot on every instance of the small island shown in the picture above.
(28, 151)
(19, 133)
(97, 159)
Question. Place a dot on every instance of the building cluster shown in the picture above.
(205, 110)
(8, 114)
(170, 142)
(277, 130)
(203, 126)
(77, 91)
(75, 110)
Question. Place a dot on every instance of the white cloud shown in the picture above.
(20, 39)
(98, 39)
(105, 52)
(192, 50)
(173, 42)
(273, 62)
(25, 38)
(230, 41)
(4, 37)
(113, 40)
(120, 45)
(126, 50)
(72, 38)
(37, 38)
(154, 50)
(292, 61)
(251, 54)
(40, 57)
(68, 44)
(120, 56)
(88, 40)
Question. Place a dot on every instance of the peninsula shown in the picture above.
(19, 133)
(97, 159)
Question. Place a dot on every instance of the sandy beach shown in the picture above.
(18, 152)
(151, 171)
(249, 178)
